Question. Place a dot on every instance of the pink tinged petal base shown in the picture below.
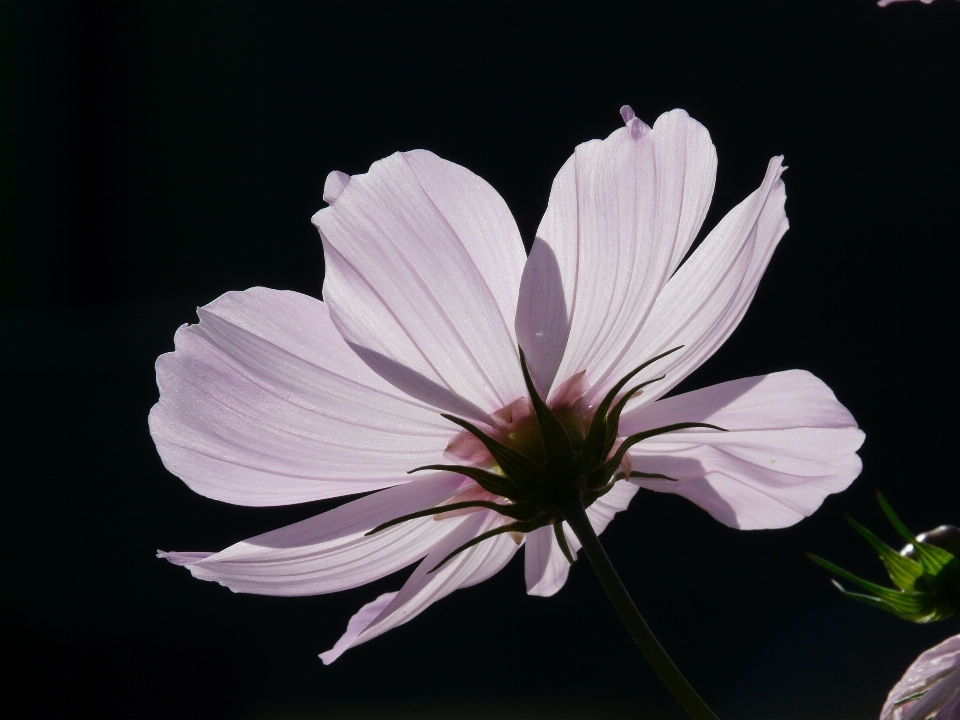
(262, 403)
(789, 444)
(545, 566)
(424, 588)
(330, 552)
(622, 214)
(706, 298)
(423, 266)
(936, 671)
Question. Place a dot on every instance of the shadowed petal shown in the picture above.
(262, 403)
(622, 214)
(931, 673)
(425, 588)
(329, 552)
(790, 444)
(707, 297)
(545, 566)
(423, 264)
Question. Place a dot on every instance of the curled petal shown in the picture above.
(707, 297)
(423, 264)
(330, 552)
(262, 403)
(545, 567)
(424, 588)
(622, 214)
(789, 444)
(936, 673)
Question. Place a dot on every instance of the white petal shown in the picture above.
(423, 264)
(425, 588)
(622, 214)
(707, 297)
(329, 552)
(789, 444)
(545, 566)
(930, 669)
(262, 403)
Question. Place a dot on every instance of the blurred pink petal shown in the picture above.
(884, 3)
(789, 444)
(936, 673)
(262, 403)
(423, 265)
(277, 398)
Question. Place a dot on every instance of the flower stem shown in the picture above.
(576, 517)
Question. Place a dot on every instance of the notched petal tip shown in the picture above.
(636, 127)
(334, 186)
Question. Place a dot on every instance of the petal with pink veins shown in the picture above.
(622, 214)
(263, 403)
(424, 588)
(330, 552)
(423, 265)
(789, 443)
(707, 297)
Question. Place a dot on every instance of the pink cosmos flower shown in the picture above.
(412, 359)
(930, 688)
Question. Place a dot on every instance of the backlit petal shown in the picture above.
(706, 298)
(423, 264)
(622, 214)
(330, 552)
(789, 444)
(262, 403)
(424, 588)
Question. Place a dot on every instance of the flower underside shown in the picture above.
(541, 467)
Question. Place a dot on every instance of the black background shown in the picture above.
(158, 154)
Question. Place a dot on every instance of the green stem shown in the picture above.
(576, 516)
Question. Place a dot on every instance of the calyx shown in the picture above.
(574, 468)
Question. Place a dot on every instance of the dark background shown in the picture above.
(158, 154)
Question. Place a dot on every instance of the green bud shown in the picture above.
(926, 572)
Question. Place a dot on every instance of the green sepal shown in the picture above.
(933, 559)
(511, 511)
(652, 476)
(489, 481)
(903, 571)
(611, 465)
(521, 527)
(594, 443)
(556, 444)
(914, 606)
(562, 541)
(514, 464)
(613, 419)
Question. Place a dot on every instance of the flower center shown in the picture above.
(538, 462)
